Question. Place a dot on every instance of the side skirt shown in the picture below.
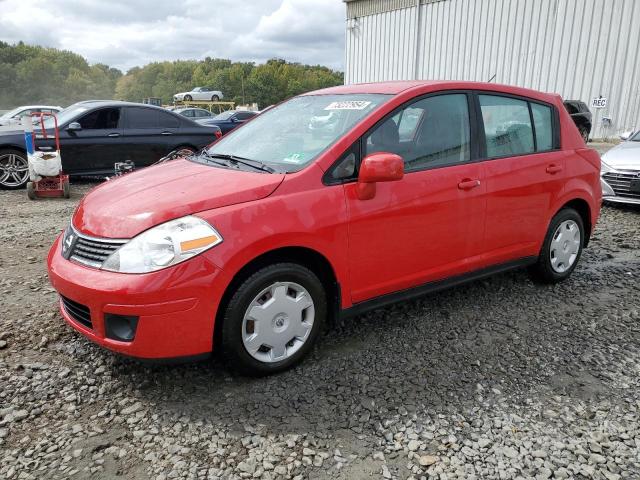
(432, 287)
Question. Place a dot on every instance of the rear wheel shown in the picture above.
(561, 249)
(273, 319)
(215, 98)
(14, 169)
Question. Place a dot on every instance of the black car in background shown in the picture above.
(96, 134)
(581, 116)
(228, 120)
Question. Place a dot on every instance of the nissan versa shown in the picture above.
(252, 245)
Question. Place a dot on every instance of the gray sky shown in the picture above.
(127, 33)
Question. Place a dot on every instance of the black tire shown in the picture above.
(9, 184)
(232, 344)
(31, 191)
(585, 134)
(188, 98)
(215, 98)
(542, 271)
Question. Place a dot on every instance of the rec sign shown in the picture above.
(599, 102)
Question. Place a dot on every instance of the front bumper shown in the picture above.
(176, 307)
(609, 195)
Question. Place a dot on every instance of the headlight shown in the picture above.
(164, 245)
(604, 167)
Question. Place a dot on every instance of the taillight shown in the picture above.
(218, 134)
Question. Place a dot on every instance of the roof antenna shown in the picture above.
(493, 78)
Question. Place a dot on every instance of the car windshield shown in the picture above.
(66, 115)
(288, 137)
(636, 137)
(12, 113)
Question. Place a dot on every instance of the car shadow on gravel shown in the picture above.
(501, 338)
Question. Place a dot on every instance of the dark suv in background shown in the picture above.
(581, 116)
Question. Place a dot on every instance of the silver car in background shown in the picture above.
(199, 93)
(620, 175)
(14, 117)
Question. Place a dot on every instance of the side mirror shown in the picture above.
(233, 119)
(74, 126)
(378, 167)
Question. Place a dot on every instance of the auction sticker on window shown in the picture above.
(348, 105)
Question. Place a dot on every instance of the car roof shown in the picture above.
(118, 103)
(39, 106)
(397, 87)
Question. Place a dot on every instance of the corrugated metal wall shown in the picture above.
(580, 49)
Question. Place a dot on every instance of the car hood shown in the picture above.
(624, 156)
(126, 206)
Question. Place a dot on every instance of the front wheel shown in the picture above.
(273, 319)
(188, 98)
(561, 249)
(14, 169)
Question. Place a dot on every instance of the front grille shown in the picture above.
(88, 250)
(621, 182)
(80, 313)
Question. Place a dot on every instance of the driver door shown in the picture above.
(428, 225)
(96, 146)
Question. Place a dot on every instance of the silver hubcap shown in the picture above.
(14, 170)
(278, 322)
(565, 246)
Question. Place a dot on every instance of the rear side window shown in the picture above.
(166, 120)
(543, 123)
(144, 118)
(507, 126)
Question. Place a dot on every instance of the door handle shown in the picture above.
(468, 184)
(166, 133)
(115, 134)
(552, 169)
(45, 149)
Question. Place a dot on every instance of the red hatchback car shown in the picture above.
(331, 203)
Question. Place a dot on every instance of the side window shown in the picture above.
(507, 126)
(187, 113)
(431, 132)
(166, 120)
(245, 116)
(543, 122)
(142, 118)
(102, 119)
(408, 123)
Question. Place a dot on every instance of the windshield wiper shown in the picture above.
(258, 165)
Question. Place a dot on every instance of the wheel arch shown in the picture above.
(305, 256)
(583, 208)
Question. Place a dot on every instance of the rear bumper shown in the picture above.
(176, 307)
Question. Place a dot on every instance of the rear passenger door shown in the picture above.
(524, 173)
(150, 134)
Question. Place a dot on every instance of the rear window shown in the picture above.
(150, 118)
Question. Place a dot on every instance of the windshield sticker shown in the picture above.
(296, 158)
(348, 105)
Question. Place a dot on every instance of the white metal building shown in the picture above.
(581, 49)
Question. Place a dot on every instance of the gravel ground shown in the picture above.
(497, 379)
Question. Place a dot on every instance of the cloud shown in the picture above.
(124, 34)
